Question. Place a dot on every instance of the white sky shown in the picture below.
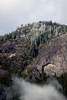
(13, 13)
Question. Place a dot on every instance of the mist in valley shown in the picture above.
(28, 91)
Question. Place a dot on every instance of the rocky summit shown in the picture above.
(34, 52)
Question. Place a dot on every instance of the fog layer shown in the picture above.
(28, 91)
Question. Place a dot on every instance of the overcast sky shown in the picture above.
(13, 13)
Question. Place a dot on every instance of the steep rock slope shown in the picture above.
(52, 56)
(44, 42)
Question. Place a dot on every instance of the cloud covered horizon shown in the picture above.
(13, 13)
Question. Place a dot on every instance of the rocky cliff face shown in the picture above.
(41, 44)
(52, 56)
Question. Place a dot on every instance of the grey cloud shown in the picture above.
(16, 12)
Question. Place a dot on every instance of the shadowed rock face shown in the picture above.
(53, 56)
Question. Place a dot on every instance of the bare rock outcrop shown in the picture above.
(53, 56)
